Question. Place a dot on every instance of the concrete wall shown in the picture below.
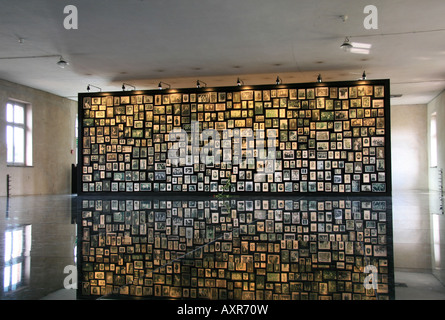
(437, 106)
(53, 139)
(409, 144)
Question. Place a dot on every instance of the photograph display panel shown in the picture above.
(304, 138)
(260, 249)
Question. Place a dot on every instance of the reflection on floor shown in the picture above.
(259, 249)
(242, 249)
(38, 235)
(419, 245)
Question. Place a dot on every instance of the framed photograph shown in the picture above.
(322, 91)
(282, 93)
(310, 93)
(377, 103)
(271, 113)
(343, 93)
(379, 91)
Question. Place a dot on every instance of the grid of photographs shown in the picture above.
(303, 138)
(264, 249)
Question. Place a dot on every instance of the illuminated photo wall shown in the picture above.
(323, 138)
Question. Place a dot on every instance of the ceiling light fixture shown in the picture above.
(346, 45)
(90, 85)
(364, 75)
(278, 81)
(319, 79)
(160, 85)
(360, 48)
(62, 63)
(239, 82)
(198, 84)
(123, 86)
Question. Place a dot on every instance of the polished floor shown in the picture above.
(40, 254)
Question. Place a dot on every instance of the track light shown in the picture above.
(364, 75)
(123, 86)
(346, 45)
(278, 81)
(319, 79)
(160, 85)
(62, 63)
(198, 84)
(239, 82)
(90, 85)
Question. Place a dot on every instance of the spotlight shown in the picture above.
(346, 45)
(198, 84)
(90, 85)
(319, 79)
(123, 86)
(278, 81)
(160, 85)
(62, 63)
(364, 75)
(240, 82)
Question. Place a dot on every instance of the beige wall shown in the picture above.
(437, 105)
(409, 147)
(53, 139)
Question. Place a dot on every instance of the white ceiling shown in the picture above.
(142, 42)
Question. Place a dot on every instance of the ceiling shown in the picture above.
(143, 42)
